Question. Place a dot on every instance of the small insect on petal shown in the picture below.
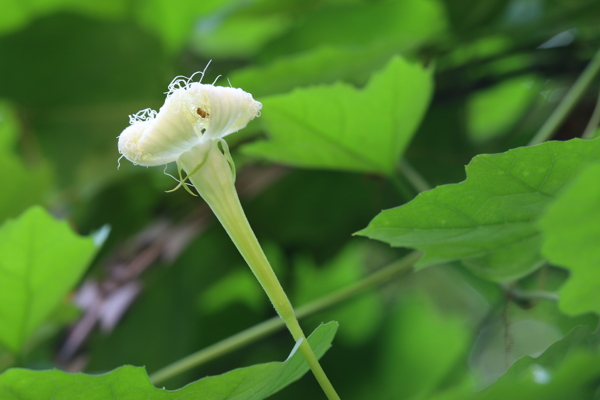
(201, 112)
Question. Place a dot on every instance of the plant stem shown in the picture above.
(274, 324)
(594, 121)
(214, 182)
(568, 102)
(418, 182)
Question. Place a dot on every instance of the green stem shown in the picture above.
(594, 121)
(414, 177)
(215, 183)
(274, 324)
(568, 102)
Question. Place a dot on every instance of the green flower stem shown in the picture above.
(568, 102)
(215, 183)
(274, 324)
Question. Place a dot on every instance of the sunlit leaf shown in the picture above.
(571, 228)
(490, 220)
(340, 127)
(41, 259)
(131, 383)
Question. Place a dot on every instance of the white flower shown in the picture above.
(193, 114)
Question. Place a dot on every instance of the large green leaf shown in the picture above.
(340, 127)
(41, 259)
(571, 228)
(489, 221)
(131, 383)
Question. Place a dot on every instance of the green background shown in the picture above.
(348, 87)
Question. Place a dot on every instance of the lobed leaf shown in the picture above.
(343, 128)
(131, 383)
(41, 259)
(489, 221)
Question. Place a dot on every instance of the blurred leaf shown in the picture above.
(129, 383)
(399, 24)
(95, 74)
(173, 21)
(22, 186)
(239, 286)
(324, 64)
(340, 127)
(489, 221)
(9, 126)
(508, 335)
(571, 226)
(494, 111)
(361, 316)
(580, 339)
(415, 359)
(238, 36)
(569, 369)
(16, 14)
(41, 260)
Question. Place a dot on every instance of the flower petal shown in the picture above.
(158, 139)
(192, 112)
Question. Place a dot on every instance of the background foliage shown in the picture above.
(350, 88)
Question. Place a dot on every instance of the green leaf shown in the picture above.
(361, 316)
(415, 360)
(239, 286)
(403, 25)
(131, 383)
(239, 35)
(492, 112)
(41, 259)
(489, 221)
(173, 22)
(340, 127)
(325, 64)
(22, 185)
(571, 226)
(16, 14)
